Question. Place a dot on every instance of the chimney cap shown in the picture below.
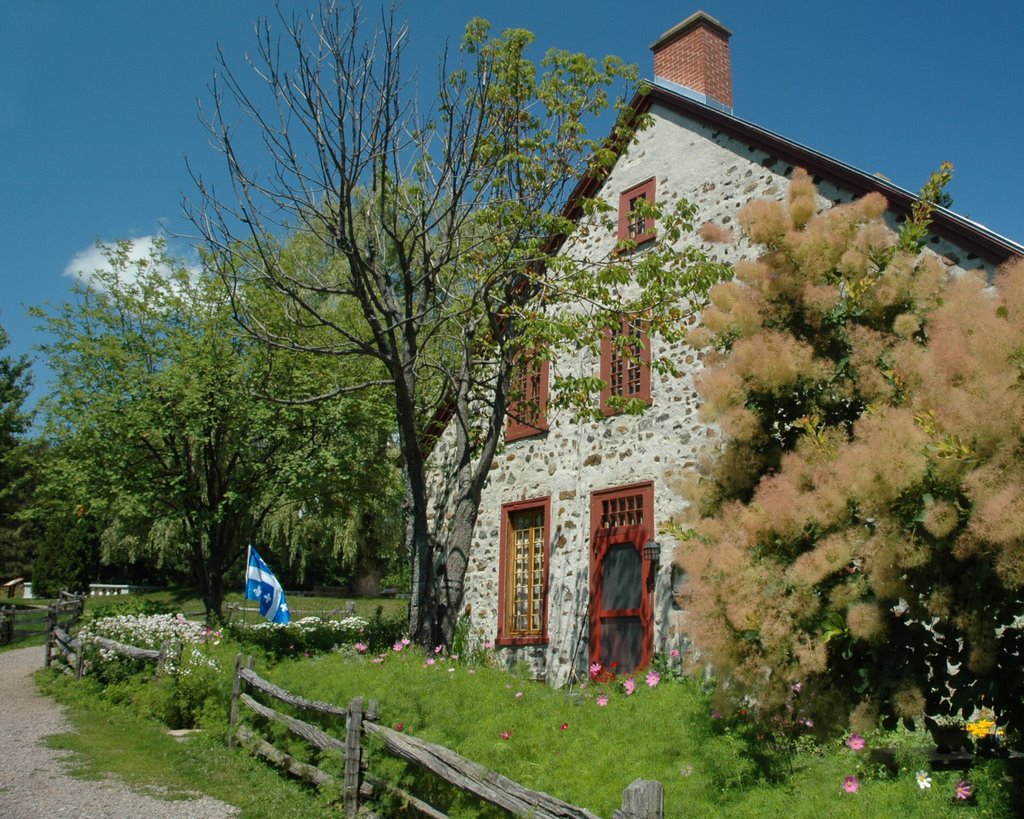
(694, 20)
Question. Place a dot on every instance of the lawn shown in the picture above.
(584, 745)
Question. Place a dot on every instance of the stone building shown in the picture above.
(558, 574)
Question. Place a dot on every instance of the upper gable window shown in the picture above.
(632, 225)
(625, 364)
(528, 399)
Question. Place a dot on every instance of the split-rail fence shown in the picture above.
(643, 799)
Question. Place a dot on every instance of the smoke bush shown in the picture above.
(861, 532)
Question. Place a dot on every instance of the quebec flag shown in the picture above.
(261, 585)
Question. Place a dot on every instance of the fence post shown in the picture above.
(643, 799)
(353, 756)
(7, 615)
(80, 659)
(236, 689)
(51, 623)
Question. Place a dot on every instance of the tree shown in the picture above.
(861, 538)
(446, 226)
(163, 442)
(69, 554)
(17, 460)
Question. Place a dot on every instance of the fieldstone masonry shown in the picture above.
(571, 460)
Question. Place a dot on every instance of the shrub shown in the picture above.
(309, 635)
(861, 532)
(189, 682)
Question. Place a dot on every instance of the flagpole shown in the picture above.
(245, 581)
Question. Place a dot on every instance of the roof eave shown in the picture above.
(972, 236)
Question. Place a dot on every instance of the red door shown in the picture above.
(621, 610)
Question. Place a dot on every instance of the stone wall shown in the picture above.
(574, 459)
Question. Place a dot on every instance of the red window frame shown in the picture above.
(625, 377)
(635, 229)
(507, 634)
(625, 526)
(527, 409)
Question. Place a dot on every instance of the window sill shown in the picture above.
(521, 641)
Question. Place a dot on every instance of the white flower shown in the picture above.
(923, 780)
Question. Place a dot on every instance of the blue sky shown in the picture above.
(99, 106)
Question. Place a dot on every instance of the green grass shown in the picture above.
(185, 600)
(708, 766)
(110, 740)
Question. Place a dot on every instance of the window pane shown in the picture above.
(526, 561)
(622, 577)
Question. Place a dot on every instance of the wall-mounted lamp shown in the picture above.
(652, 552)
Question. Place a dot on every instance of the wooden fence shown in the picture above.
(642, 800)
(19, 623)
(70, 650)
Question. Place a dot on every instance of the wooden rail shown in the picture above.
(642, 800)
(61, 618)
(60, 643)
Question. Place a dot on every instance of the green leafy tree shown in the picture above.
(862, 532)
(445, 226)
(18, 457)
(162, 436)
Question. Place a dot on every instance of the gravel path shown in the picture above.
(33, 784)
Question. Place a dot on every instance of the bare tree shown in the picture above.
(442, 224)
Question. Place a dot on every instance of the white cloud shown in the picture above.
(86, 263)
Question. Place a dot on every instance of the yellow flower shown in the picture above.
(980, 728)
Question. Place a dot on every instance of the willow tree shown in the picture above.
(444, 222)
(862, 530)
(165, 444)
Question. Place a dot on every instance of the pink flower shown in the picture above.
(438, 649)
(428, 662)
(360, 647)
(564, 726)
(856, 741)
(595, 669)
(602, 700)
(653, 678)
(406, 641)
(674, 652)
(397, 646)
(630, 686)
(519, 695)
(851, 784)
(963, 790)
(506, 735)
(797, 686)
(378, 659)
(488, 645)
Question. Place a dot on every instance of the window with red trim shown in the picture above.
(632, 225)
(625, 365)
(528, 399)
(523, 566)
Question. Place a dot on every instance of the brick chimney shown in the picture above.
(695, 55)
